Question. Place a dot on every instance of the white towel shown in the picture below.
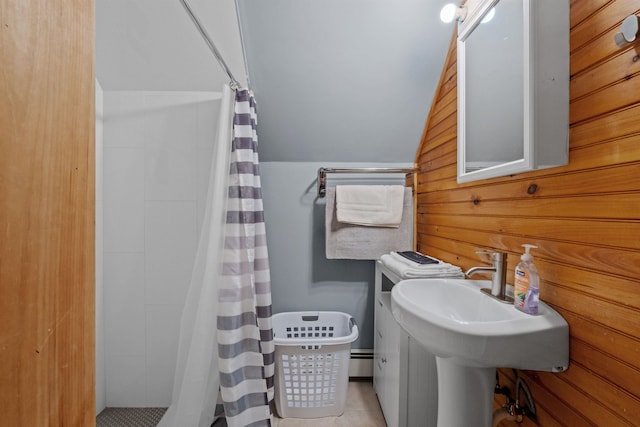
(370, 205)
(441, 264)
(435, 271)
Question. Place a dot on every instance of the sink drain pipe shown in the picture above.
(502, 414)
(512, 410)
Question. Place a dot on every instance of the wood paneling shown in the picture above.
(47, 119)
(585, 218)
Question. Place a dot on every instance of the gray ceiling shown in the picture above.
(335, 80)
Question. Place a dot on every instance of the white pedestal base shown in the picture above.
(465, 394)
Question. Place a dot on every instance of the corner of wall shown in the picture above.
(99, 292)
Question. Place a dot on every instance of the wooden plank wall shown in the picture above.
(584, 217)
(47, 119)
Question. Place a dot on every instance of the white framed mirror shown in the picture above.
(513, 87)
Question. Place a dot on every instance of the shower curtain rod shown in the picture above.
(233, 83)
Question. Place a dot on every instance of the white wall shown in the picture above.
(100, 374)
(157, 154)
(153, 45)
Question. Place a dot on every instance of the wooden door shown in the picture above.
(47, 120)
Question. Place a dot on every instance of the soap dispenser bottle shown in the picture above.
(526, 290)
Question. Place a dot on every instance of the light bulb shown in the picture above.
(489, 16)
(448, 13)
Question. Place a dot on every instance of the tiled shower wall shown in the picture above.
(157, 157)
(99, 308)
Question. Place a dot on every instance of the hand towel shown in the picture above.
(370, 205)
(406, 272)
(349, 241)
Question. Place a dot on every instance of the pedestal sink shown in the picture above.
(472, 334)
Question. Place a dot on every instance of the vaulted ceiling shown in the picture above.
(335, 80)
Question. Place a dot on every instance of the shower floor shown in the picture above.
(129, 417)
(361, 410)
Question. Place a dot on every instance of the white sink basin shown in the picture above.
(472, 334)
(453, 319)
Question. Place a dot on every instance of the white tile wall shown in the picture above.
(124, 303)
(170, 250)
(156, 169)
(123, 199)
(124, 119)
(126, 381)
(206, 126)
(202, 179)
(170, 174)
(163, 326)
(171, 121)
(101, 389)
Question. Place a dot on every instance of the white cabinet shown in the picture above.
(513, 87)
(389, 359)
(404, 374)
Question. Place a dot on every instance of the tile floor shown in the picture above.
(362, 410)
(130, 417)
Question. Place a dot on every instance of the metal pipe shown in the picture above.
(500, 415)
(203, 32)
(244, 51)
(322, 174)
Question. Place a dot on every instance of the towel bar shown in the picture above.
(322, 174)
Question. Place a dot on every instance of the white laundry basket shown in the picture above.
(312, 362)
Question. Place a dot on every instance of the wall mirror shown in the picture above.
(513, 87)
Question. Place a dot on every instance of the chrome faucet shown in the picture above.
(498, 277)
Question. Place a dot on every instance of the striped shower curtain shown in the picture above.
(245, 336)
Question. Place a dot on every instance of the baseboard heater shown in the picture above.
(361, 363)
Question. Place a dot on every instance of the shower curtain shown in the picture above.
(245, 337)
(226, 341)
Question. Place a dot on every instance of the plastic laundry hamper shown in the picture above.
(312, 362)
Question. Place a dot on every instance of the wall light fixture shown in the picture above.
(451, 12)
